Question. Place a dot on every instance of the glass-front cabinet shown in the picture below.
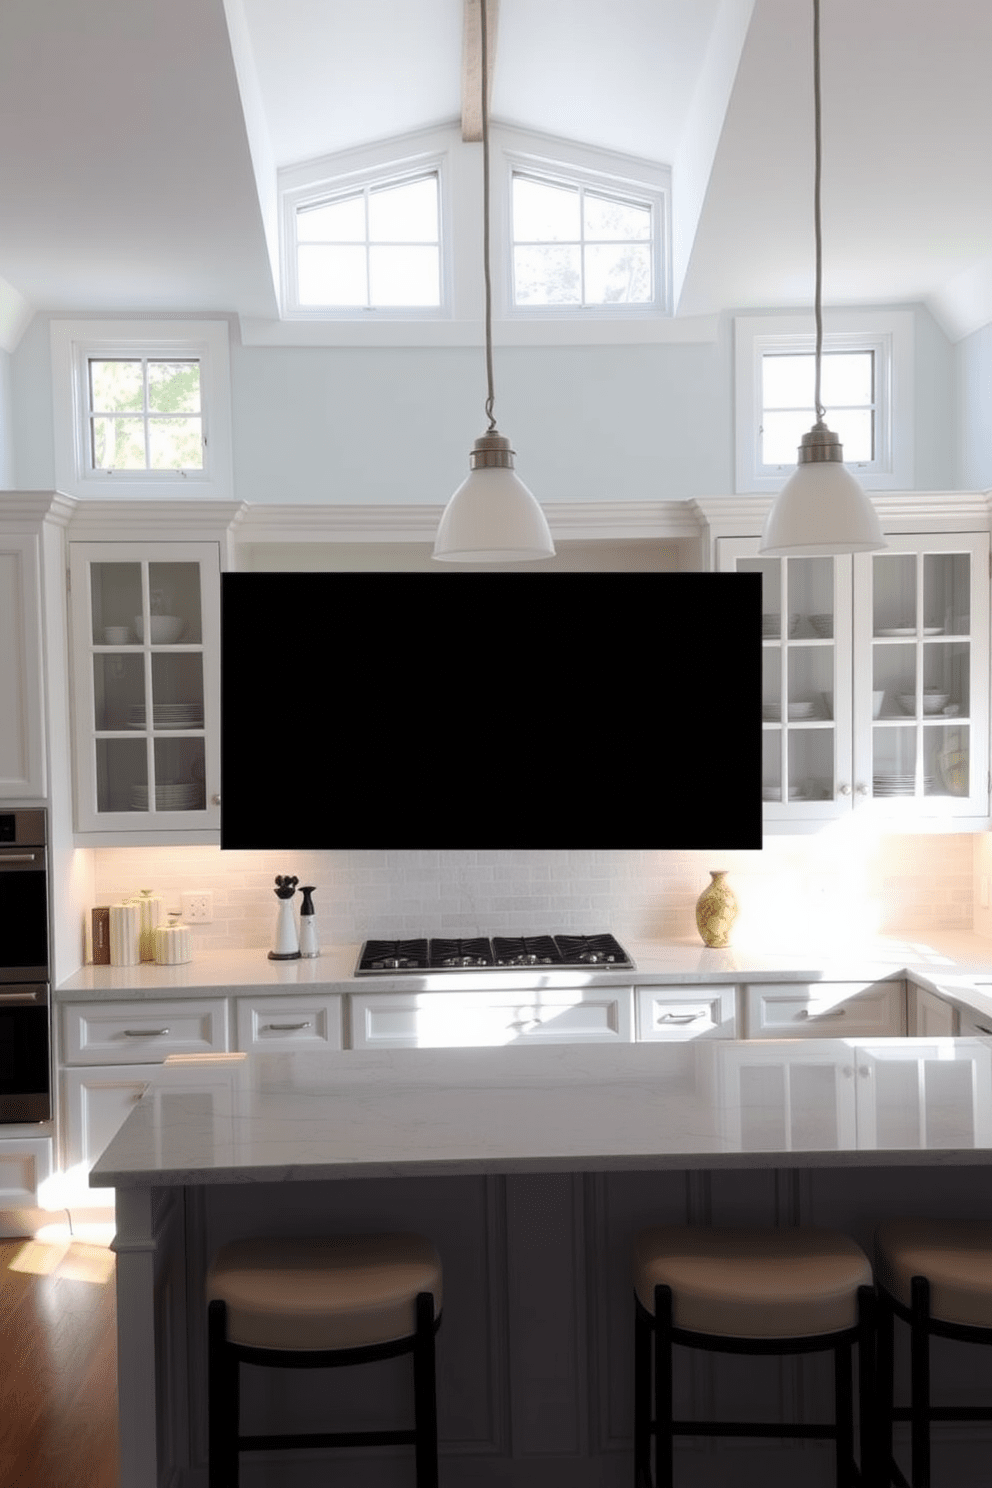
(874, 679)
(146, 650)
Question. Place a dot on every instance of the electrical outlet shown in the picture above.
(198, 906)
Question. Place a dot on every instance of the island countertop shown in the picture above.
(360, 1114)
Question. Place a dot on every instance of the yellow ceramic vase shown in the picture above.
(716, 911)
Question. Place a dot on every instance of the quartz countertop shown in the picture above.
(953, 964)
(403, 1113)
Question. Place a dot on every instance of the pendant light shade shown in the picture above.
(821, 508)
(492, 517)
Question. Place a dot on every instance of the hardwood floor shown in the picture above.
(58, 1366)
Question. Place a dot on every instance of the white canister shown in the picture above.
(150, 906)
(125, 933)
(173, 944)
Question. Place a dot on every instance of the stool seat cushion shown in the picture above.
(334, 1292)
(741, 1282)
(954, 1255)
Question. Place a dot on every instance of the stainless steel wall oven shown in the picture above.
(25, 1059)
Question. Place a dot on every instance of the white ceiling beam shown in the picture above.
(472, 63)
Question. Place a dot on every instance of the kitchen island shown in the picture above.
(530, 1168)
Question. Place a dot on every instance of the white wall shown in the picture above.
(973, 410)
(589, 423)
(7, 482)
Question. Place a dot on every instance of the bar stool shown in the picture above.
(750, 1291)
(936, 1275)
(317, 1303)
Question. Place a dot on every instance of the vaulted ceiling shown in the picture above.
(139, 142)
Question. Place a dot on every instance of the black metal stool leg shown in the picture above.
(425, 1394)
(867, 1407)
(844, 1414)
(223, 1424)
(642, 1399)
(664, 1436)
(920, 1372)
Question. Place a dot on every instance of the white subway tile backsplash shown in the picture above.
(882, 884)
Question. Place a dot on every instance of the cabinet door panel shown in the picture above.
(430, 1020)
(676, 1013)
(825, 1009)
(126, 1033)
(95, 1105)
(22, 737)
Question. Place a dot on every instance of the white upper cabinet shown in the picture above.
(22, 738)
(146, 664)
(875, 681)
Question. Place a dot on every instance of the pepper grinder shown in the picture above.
(308, 924)
(287, 946)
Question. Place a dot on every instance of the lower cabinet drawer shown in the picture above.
(826, 1009)
(672, 1013)
(141, 1032)
(25, 1163)
(434, 1020)
(289, 1023)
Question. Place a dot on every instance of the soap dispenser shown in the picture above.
(287, 946)
(308, 923)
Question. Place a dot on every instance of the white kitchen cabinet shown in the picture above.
(146, 670)
(929, 1016)
(289, 1022)
(25, 1163)
(825, 1009)
(95, 1104)
(666, 1014)
(875, 687)
(22, 734)
(974, 1025)
(925, 1093)
(434, 1020)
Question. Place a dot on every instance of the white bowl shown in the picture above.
(165, 628)
(117, 635)
(933, 702)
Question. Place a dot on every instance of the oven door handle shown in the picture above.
(9, 859)
(24, 996)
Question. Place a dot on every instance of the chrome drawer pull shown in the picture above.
(835, 1013)
(525, 1023)
(144, 1032)
(285, 1027)
(679, 1017)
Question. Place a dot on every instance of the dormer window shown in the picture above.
(575, 245)
(376, 246)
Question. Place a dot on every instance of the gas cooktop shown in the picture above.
(502, 953)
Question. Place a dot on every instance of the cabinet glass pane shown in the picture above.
(894, 676)
(894, 761)
(771, 595)
(811, 682)
(811, 764)
(118, 691)
(946, 677)
(174, 592)
(115, 593)
(771, 683)
(811, 597)
(894, 594)
(771, 765)
(947, 593)
(177, 690)
(179, 775)
(121, 774)
(946, 760)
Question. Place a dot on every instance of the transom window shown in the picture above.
(375, 246)
(144, 414)
(847, 392)
(579, 245)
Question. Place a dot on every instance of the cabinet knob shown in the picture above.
(844, 790)
(863, 790)
(215, 800)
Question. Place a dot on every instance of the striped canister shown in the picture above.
(125, 933)
(151, 916)
(173, 944)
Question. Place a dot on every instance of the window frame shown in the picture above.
(76, 343)
(335, 175)
(600, 171)
(888, 334)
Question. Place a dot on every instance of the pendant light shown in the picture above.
(821, 508)
(492, 517)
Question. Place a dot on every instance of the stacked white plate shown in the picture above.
(771, 712)
(170, 796)
(823, 625)
(804, 708)
(167, 715)
(900, 785)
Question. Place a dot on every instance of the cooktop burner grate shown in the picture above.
(503, 952)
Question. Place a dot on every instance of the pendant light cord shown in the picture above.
(487, 273)
(817, 226)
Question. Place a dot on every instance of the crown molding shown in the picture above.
(32, 508)
(155, 521)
